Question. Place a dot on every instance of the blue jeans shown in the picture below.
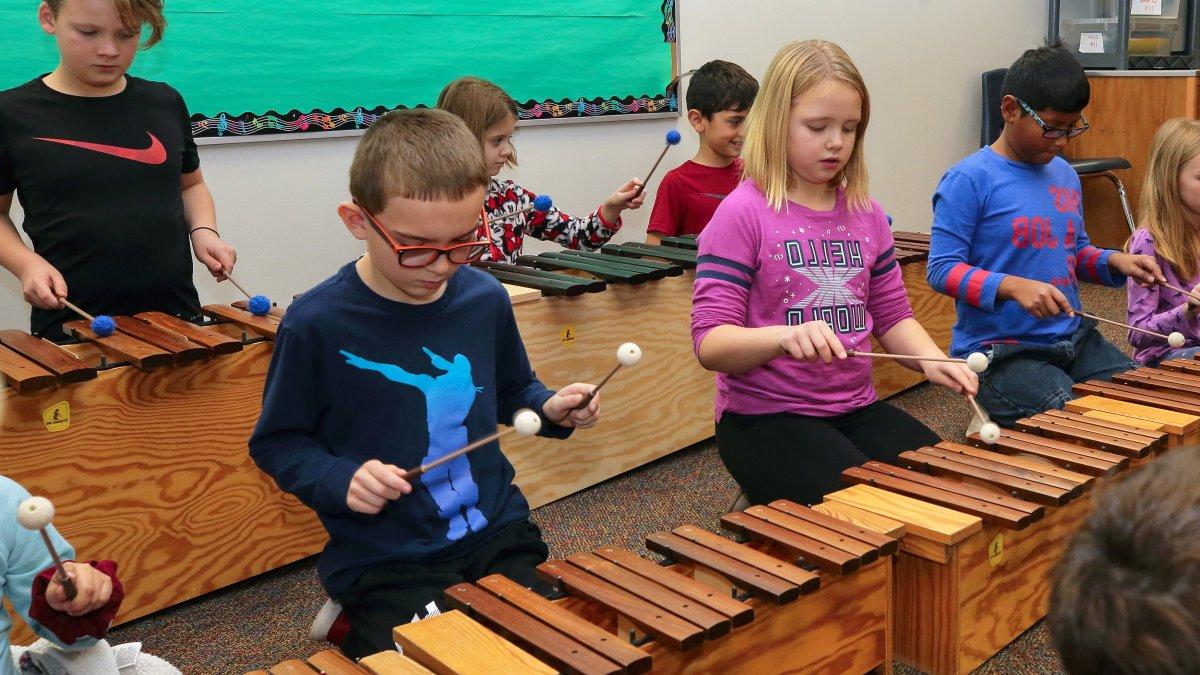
(1023, 380)
(1185, 353)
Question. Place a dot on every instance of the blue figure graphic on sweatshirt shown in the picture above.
(448, 399)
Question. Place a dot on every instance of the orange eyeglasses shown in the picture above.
(422, 256)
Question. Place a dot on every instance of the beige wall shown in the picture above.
(921, 60)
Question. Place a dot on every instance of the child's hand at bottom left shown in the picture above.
(93, 590)
(560, 408)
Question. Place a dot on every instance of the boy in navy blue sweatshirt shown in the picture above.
(1008, 225)
(396, 360)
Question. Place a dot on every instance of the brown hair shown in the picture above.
(1126, 595)
(797, 68)
(481, 104)
(134, 14)
(416, 154)
(1176, 142)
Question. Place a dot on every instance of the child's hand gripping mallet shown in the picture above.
(36, 513)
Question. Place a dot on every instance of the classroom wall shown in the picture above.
(921, 59)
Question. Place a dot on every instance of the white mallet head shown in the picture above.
(977, 362)
(1175, 340)
(527, 422)
(990, 433)
(629, 354)
(35, 513)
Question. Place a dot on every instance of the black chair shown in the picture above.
(1092, 167)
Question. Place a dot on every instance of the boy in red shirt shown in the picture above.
(718, 100)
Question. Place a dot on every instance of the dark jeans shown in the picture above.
(785, 456)
(386, 597)
(1023, 380)
(1181, 353)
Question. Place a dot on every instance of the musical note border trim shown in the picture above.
(271, 122)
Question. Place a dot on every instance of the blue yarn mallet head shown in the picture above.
(259, 305)
(542, 203)
(103, 325)
(673, 138)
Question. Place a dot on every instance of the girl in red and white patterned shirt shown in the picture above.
(492, 115)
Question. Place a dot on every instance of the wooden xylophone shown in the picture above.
(1165, 399)
(719, 606)
(983, 527)
(140, 440)
(645, 297)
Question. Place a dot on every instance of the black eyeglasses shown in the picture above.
(1053, 132)
(422, 256)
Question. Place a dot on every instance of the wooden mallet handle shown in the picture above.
(526, 422)
(1123, 325)
(239, 286)
(75, 308)
(1180, 290)
(983, 416)
(877, 355)
(410, 474)
(646, 181)
(67, 582)
(587, 399)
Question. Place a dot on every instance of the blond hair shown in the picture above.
(1176, 142)
(481, 104)
(416, 154)
(796, 69)
(134, 14)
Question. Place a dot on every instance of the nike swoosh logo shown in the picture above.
(155, 154)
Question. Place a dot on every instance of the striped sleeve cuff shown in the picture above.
(973, 285)
(715, 267)
(885, 263)
(1091, 264)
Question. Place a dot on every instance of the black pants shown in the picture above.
(785, 456)
(386, 597)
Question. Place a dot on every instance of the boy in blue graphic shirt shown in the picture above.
(1008, 226)
(400, 358)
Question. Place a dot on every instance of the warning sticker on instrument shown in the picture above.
(996, 550)
(567, 335)
(57, 417)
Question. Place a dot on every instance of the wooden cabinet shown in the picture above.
(1126, 109)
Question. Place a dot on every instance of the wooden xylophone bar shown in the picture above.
(549, 283)
(984, 525)
(718, 606)
(1164, 399)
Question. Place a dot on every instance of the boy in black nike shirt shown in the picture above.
(108, 175)
(399, 359)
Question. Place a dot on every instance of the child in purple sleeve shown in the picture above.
(796, 267)
(1170, 232)
(1008, 225)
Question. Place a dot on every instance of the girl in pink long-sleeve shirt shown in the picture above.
(796, 267)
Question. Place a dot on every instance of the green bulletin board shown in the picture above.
(268, 68)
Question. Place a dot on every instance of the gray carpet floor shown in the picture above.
(265, 620)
